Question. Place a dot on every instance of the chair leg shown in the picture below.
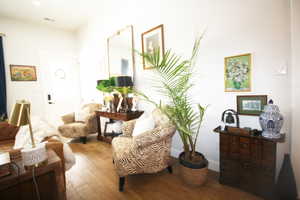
(105, 127)
(83, 140)
(170, 170)
(121, 184)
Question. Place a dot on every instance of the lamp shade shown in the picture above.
(123, 81)
(19, 115)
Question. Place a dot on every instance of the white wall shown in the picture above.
(295, 140)
(23, 45)
(233, 27)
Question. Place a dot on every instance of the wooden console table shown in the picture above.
(49, 177)
(248, 162)
(114, 116)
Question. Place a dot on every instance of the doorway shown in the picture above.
(61, 89)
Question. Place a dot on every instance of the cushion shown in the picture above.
(73, 130)
(143, 124)
(160, 118)
(82, 114)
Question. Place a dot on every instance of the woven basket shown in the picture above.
(191, 174)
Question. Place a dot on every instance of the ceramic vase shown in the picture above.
(271, 121)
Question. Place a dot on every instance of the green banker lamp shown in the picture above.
(20, 116)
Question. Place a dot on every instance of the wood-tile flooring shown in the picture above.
(94, 178)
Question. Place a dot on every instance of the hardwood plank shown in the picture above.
(94, 177)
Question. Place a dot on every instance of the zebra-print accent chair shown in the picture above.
(148, 152)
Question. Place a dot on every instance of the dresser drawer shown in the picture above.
(229, 165)
(268, 154)
(234, 147)
(256, 148)
(245, 152)
(269, 147)
(229, 172)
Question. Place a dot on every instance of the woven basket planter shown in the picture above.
(193, 174)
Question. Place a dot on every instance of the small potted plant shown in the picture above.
(106, 86)
(175, 75)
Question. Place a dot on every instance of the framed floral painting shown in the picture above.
(238, 73)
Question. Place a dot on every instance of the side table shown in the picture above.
(114, 116)
(248, 162)
(49, 177)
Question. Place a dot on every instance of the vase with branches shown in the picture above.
(174, 83)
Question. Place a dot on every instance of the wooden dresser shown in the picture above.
(50, 180)
(248, 162)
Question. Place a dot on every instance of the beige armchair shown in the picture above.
(148, 152)
(75, 129)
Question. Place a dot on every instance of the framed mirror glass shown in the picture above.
(121, 53)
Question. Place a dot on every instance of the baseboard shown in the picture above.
(175, 152)
(213, 165)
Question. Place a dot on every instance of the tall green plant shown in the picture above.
(174, 74)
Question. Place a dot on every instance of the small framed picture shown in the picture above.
(151, 40)
(251, 104)
(238, 73)
(22, 73)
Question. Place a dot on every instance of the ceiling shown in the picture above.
(67, 14)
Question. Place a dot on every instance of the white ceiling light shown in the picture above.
(36, 3)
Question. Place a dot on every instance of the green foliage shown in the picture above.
(174, 74)
(110, 86)
(107, 85)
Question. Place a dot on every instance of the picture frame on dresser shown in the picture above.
(251, 104)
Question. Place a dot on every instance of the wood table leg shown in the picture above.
(99, 137)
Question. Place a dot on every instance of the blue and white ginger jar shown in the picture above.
(271, 121)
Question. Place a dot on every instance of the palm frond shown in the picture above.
(174, 75)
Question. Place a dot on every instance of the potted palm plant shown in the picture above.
(174, 74)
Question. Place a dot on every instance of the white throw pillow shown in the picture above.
(143, 124)
(81, 115)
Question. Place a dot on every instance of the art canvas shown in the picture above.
(152, 40)
(238, 73)
(23, 73)
(251, 104)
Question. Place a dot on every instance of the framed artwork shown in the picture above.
(23, 73)
(251, 104)
(151, 40)
(238, 73)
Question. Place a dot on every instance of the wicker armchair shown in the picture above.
(74, 129)
(148, 152)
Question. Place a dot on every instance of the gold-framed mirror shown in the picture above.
(120, 48)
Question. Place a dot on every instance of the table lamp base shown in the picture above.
(34, 157)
